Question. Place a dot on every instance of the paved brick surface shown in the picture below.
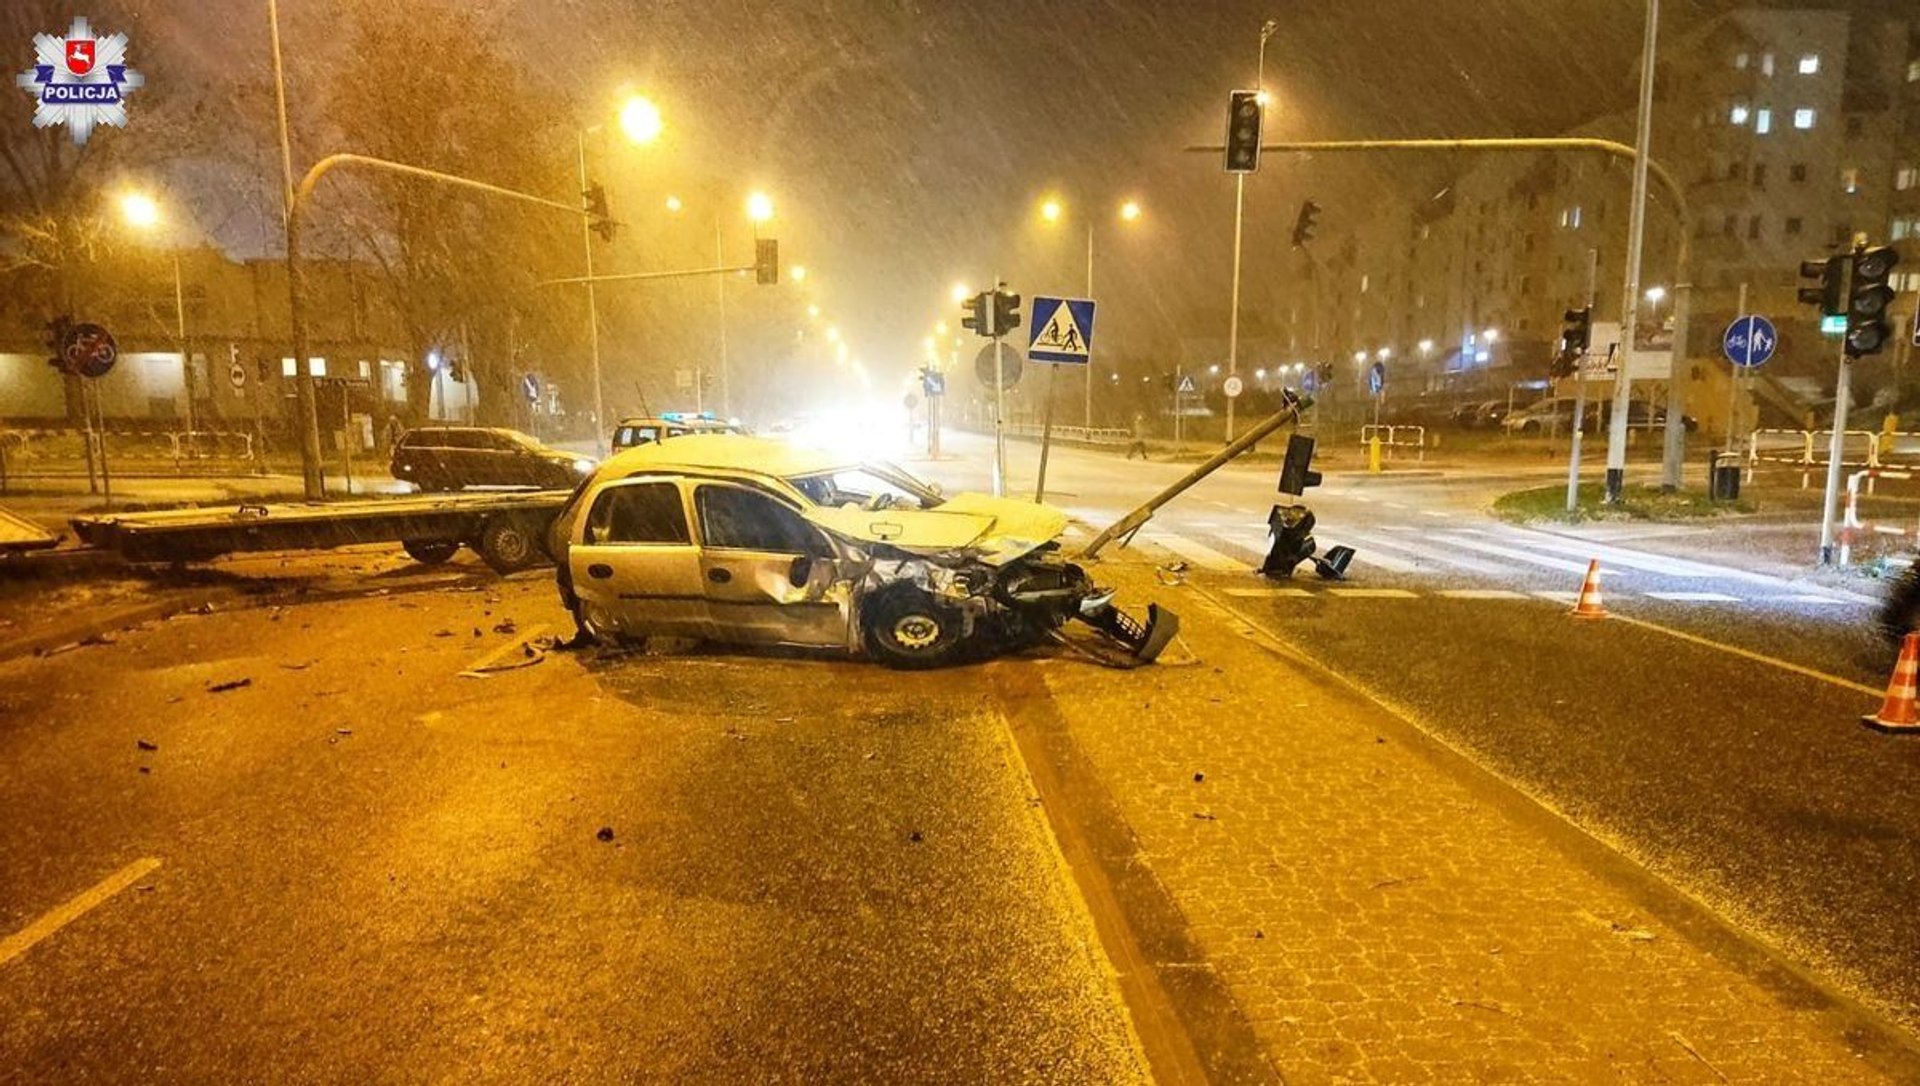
(1383, 911)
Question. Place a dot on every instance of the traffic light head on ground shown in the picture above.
(1867, 299)
(1823, 284)
(1305, 224)
(766, 262)
(1244, 115)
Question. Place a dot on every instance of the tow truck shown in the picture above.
(507, 529)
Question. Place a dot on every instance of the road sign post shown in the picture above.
(1061, 333)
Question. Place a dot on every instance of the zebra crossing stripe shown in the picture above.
(1560, 564)
(1267, 593)
(1482, 594)
(1433, 553)
(1693, 597)
(1375, 593)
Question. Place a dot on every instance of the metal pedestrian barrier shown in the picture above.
(1853, 529)
(1807, 450)
(1396, 437)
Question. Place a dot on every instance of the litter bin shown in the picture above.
(1723, 483)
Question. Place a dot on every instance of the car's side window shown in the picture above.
(638, 513)
(734, 518)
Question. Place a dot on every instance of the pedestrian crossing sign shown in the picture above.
(1061, 330)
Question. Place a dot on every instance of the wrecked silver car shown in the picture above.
(749, 540)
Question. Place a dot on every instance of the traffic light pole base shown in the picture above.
(1616, 485)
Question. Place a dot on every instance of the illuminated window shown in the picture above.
(1809, 63)
(1899, 229)
(1741, 61)
(1913, 71)
(1766, 65)
(318, 366)
(1906, 177)
(1763, 122)
(1850, 180)
(1803, 119)
(1739, 113)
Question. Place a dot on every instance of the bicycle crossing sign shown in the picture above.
(1749, 341)
(1061, 331)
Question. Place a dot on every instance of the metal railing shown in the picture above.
(1085, 435)
(1396, 437)
(1852, 527)
(1807, 450)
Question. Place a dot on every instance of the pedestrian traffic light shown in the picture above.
(1244, 114)
(1867, 300)
(1304, 226)
(599, 220)
(766, 262)
(1575, 338)
(1006, 312)
(1828, 273)
(976, 320)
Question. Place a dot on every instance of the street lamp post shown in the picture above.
(600, 436)
(142, 213)
(1239, 216)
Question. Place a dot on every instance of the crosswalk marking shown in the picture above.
(1482, 594)
(1267, 593)
(1641, 560)
(1375, 593)
(1560, 564)
(1437, 555)
(1693, 597)
(1198, 553)
(1433, 513)
(1384, 561)
(1827, 601)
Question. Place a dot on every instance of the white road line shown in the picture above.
(1360, 498)
(1693, 597)
(1268, 593)
(1434, 513)
(1825, 601)
(1198, 553)
(1641, 560)
(1398, 505)
(1757, 657)
(1387, 562)
(1375, 593)
(1434, 553)
(1560, 564)
(1560, 597)
(73, 909)
(1401, 528)
(1482, 594)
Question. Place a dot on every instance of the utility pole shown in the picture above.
(1636, 237)
(1580, 390)
(1842, 393)
(600, 435)
(1086, 416)
(1733, 369)
(308, 423)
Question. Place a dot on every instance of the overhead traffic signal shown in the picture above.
(1244, 114)
(766, 262)
(1867, 299)
(976, 320)
(599, 220)
(1304, 226)
(1006, 312)
(1575, 338)
(1828, 274)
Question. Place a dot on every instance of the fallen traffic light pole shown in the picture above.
(1133, 521)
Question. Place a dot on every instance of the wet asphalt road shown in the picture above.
(371, 869)
(1749, 785)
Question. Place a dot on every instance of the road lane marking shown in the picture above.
(23, 940)
(1267, 593)
(1198, 553)
(1563, 597)
(1693, 597)
(1402, 528)
(1385, 561)
(1482, 594)
(1748, 654)
(1375, 593)
(1827, 601)
(1433, 513)
(1642, 560)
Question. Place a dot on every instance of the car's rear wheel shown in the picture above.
(430, 552)
(907, 628)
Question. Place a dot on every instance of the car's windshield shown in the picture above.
(866, 485)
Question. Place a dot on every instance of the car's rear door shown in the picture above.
(633, 563)
(768, 575)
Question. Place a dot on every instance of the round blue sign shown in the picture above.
(1749, 341)
(1377, 378)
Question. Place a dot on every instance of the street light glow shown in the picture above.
(1129, 211)
(1050, 211)
(939, 328)
(674, 204)
(833, 334)
(1426, 346)
(640, 120)
(1655, 294)
(1384, 353)
(759, 207)
(813, 311)
(798, 272)
(1262, 97)
(140, 210)
(1492, 334)
(961, 292)
(1359, 356)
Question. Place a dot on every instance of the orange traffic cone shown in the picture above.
(1900, 713)
(1589, 605)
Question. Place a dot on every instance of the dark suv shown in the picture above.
(453, 457)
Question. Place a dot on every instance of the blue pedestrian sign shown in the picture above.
(1749, 341)
(1377, 378)
(530, 387)
(1062, 330)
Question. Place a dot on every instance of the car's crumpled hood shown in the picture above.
(993, 530)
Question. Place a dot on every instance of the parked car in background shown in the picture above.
(457, 457)
(1493, 413)
(646, 429)
(1545, 417)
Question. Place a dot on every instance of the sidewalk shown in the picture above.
(50, 500)
(1383, 910)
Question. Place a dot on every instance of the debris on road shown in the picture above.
(605, 834)
(231, 684)
(146, 744)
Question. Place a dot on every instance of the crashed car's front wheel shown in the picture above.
(908, 628)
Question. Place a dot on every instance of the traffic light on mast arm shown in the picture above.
(1304, 226)
(1867, 299)
(598, 218)
(766, 262)
(1575, 338)
(1244, 116)
(1828, 273)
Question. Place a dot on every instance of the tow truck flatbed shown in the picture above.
(507, 528)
